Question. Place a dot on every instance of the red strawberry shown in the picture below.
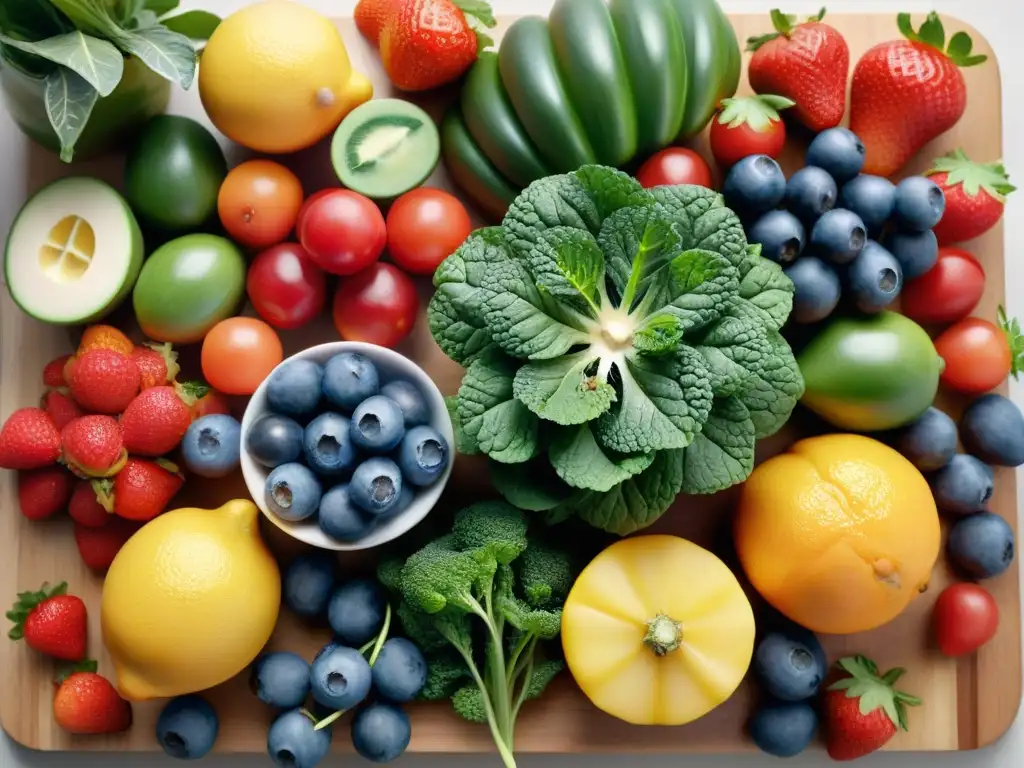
(104, 381)
(158, 364)
(975, 196)
(907, 92)
(806, 62)
(42, 493)
(86, 703)
(51, 621)
(99, 546)
(208, 401)
(29, 440)
(425, 44)
(748, 125)
(61, 408)
(92, 446)
(142, 490)
(85, 508)
(53, 373)
(156, 420)
(862, 710)
(371, 15)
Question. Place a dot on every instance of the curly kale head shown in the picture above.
(622, 346)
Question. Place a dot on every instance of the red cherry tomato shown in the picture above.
(343, 232)
(425, 226)
(286, 287)
(977, 356)
(378, 305)
(239, 353)
(259, 202)
(947, 292)
(965, 617)
(309, 202)
(747, 126)
(675, 165)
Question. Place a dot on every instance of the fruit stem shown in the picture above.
(664, 635)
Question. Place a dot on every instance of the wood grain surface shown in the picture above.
(968, 703)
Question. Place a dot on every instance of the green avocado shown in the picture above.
(188, 286)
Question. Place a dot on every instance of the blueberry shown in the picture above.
(341, 519)
(754, 185)
(274, 440)
(308, 582)
(838, 236)
(780, 235)
(350, 378)
(817, 289)
(870, 197)
(810, 193)
(294, 388)
(791, 664)
(400, 671)
(187, 727)
(327, 649)
(992, 428)
(340, 678)
(410, 400)
(212, 446)
(930, 442)
(405, 500)
(874, 279)
(916, 252)
(838, 151)
(919, 203)
(423, 456)
(381, 732)
(356, 612)
(784, 729)
(964, 486)
(981, 546)
(327, 445)
(376, 486)
(293, 743)
(293, 492)
(377, 425)
(280, 679)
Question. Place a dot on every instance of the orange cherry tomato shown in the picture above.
(259, 203)
(977, 356)
(239, 353)
(424, 227)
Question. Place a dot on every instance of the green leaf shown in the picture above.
(582, 463)
(765, 285)
(554, 201)
(735, 349)
(960, 46)
(123, 11)
(461, 339)
(532, 485)
(972, 176)
(775, 388)
(96, 61)
(722, 455)
(167, 53)
(696, 288)
(562, 391)
(931, 32)
(89, 16)
(198, 25)
(502, 426)
(464, 444)
(31, 19)
(160, 7)
(568, 265)
(703, 220)
(479, 10)
(69, 103)
(637, 242)
(759, 112)
(610, 189)
(659, 335)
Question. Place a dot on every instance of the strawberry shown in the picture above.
(862, 710)
(158, 364)
(44, 492)
(104, 337)
(53, 373)
(92, 446)
(806, 62)
(99, 546)
(748, 125)
(156, 420)
(208, 401)
(85, 508)
(104, 381)
(29, 440)
(371, 15)
(51, 622)
(907, 92)
(61, 408)
(425, 44)
(86, 703)
(142, 490)
(975, 196)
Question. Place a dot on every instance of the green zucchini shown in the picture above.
(655, 53)
(531, 76)
(494, 126)
(471, 170)
(595, 75)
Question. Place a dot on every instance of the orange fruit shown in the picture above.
(239, 353)
(840, 533)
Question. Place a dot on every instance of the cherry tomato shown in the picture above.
(425, 226)
(213, 402)
(309, 202)
(259, 203)
(343, 232)
(675, 165)
(239, 353)
(977, 356)
(286, 287)
(378, 305)
(965, 617)
(947, 292)
(747, 126)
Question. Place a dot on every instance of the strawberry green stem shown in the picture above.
(784, 24)
(932, 33)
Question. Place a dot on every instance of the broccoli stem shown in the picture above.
(504, 749)
(664, 634)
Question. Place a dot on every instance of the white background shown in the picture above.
(999, 21)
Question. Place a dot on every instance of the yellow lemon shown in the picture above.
(189, 601)
(276, 77)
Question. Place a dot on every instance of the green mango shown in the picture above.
(868, 374)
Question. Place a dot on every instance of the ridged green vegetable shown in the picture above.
(713, 69)
(471, 169)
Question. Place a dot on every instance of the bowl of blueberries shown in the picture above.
(346, 445)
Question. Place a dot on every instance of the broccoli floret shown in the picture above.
(446, 673)
(439, 575)
(545, 575)
(389, 574)
(543, 673)
(493, 526)
(468, 703)
(420, 628)
(536, 621)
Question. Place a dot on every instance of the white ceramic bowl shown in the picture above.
(390, 365)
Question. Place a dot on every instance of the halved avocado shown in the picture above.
(385, 148)
(73, 253)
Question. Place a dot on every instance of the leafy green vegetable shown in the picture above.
(622, 346)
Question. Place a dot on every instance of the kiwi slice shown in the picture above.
(384, 148)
